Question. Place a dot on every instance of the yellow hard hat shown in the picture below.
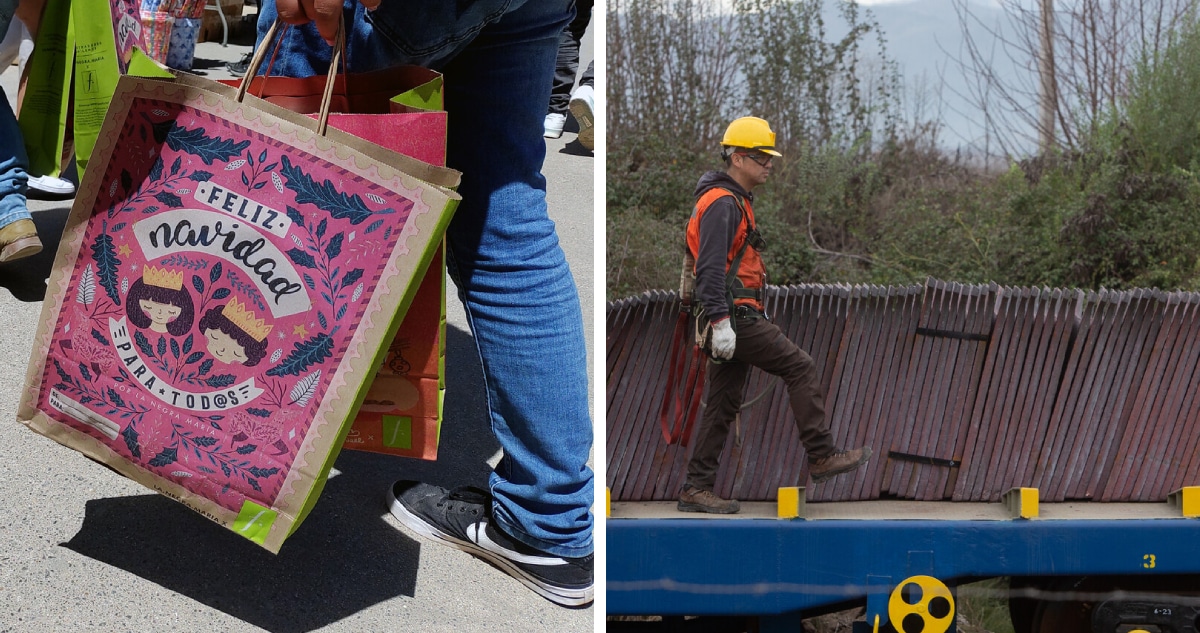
(750, 132)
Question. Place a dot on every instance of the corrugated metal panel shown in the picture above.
(961, 391)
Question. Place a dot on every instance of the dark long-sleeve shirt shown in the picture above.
(718, 228)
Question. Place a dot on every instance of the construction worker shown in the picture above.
(723, 238)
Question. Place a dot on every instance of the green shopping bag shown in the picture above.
(85, 45)
(43, 117)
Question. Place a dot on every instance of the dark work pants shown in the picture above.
(761, 344)
(568, 60)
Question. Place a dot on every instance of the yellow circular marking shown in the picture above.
(933, 611)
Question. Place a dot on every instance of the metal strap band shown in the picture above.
(964, 336)
(921, 459)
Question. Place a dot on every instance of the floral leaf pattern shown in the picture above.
(156, 169)
(334, 247)
(304, 355)
(167, 456)
(130, 435)
(351, 277)
(305, 388)
(107, 264)
(208, 148)
(169, 199)
(183, 261)
(251, 415)
(221, 380)
(301, 258)
(324, 195)
(86, 292)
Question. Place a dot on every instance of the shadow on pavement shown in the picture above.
(26, 278)
(345, 557)
(575, 148)
(201, 66)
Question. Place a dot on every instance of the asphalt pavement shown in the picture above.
(84, 549)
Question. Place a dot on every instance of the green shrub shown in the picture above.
(654, 176)
(644, 253)
(842, 207)
(1161, 111)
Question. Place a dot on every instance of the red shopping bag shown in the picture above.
(398, 108)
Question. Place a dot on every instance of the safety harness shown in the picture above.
(684, 400)
(734, 288)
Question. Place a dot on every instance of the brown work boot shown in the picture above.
(693, 499)
(19, 239)
(836, 463)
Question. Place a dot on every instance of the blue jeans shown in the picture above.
(504, 256)
(13, 165)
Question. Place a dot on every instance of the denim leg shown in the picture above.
(513, 278)
(13, 165)
(504, 256)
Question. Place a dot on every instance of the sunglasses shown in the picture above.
(761, 159)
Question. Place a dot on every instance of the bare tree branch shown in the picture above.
(1096, 45)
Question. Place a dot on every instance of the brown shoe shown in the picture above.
(693, 499)
(830, 466)
(19, 239)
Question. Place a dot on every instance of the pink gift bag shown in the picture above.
(228, 282)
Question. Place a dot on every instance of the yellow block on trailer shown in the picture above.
(1022, 503)
(1186, 500)
(790, 504)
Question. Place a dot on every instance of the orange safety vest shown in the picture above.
(751, 274)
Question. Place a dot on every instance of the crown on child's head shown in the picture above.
(237, 313)
(163, 278)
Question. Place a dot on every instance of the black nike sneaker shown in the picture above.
(461, 518)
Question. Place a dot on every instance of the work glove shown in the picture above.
(724, 341)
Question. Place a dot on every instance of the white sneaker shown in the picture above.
(582, 102)
(52, 185)
(554, 125)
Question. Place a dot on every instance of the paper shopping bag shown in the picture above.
(106, 32)
(83, 46)
(399, 108)
(43, 115)
(227, 284)
(402, 412)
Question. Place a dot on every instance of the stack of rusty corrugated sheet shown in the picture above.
(961, 391)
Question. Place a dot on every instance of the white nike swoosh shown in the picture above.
(478, 534)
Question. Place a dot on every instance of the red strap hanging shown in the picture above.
(683, 394)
